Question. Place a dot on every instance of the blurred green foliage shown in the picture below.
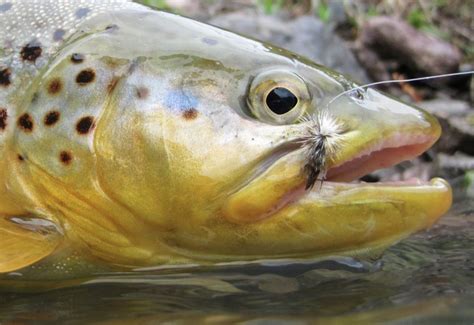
(324, 12)
(469, 183)
(270, 6)
(159, 4)
(417, 18)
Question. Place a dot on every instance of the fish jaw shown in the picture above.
(352, 219)
(338, 216)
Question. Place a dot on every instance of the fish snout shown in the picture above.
(379, 132)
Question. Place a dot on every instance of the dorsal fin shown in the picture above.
(24, 241)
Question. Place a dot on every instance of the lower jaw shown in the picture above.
(346, 175)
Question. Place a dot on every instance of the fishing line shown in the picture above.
(393, 81)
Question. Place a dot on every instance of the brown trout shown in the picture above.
(133, 138)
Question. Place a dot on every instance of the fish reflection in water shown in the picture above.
(428, 277)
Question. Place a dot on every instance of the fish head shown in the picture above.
(230, 149)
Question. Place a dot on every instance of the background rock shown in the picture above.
(457, 120)
(393, 39)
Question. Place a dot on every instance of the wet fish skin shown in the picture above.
(144, 138)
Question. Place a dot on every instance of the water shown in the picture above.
(427, 279)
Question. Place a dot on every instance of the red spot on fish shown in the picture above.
(55, 86)
(190, 114)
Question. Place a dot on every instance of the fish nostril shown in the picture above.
(358, 94)
(77, 58)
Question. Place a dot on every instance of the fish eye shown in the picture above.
(281, 100)
(278, 97)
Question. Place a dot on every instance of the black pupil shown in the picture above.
(281, 100)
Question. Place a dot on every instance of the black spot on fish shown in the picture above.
(65, 157)
(31, 51)
(55, 86)
(142, 92)
(85, 76)
(51, 118)
(85, 125)
(58, 35)
(210, 41)
(3, 118)
(5, 75)
(5, 7)
(25, 122)
(82, 12)
(20, 158)
(190, 114)
(77, 58)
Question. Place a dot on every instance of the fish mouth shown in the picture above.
(284, 183)
(381, 155)
(384, 154)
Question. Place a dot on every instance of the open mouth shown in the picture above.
(386, 154)
(280, 182)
